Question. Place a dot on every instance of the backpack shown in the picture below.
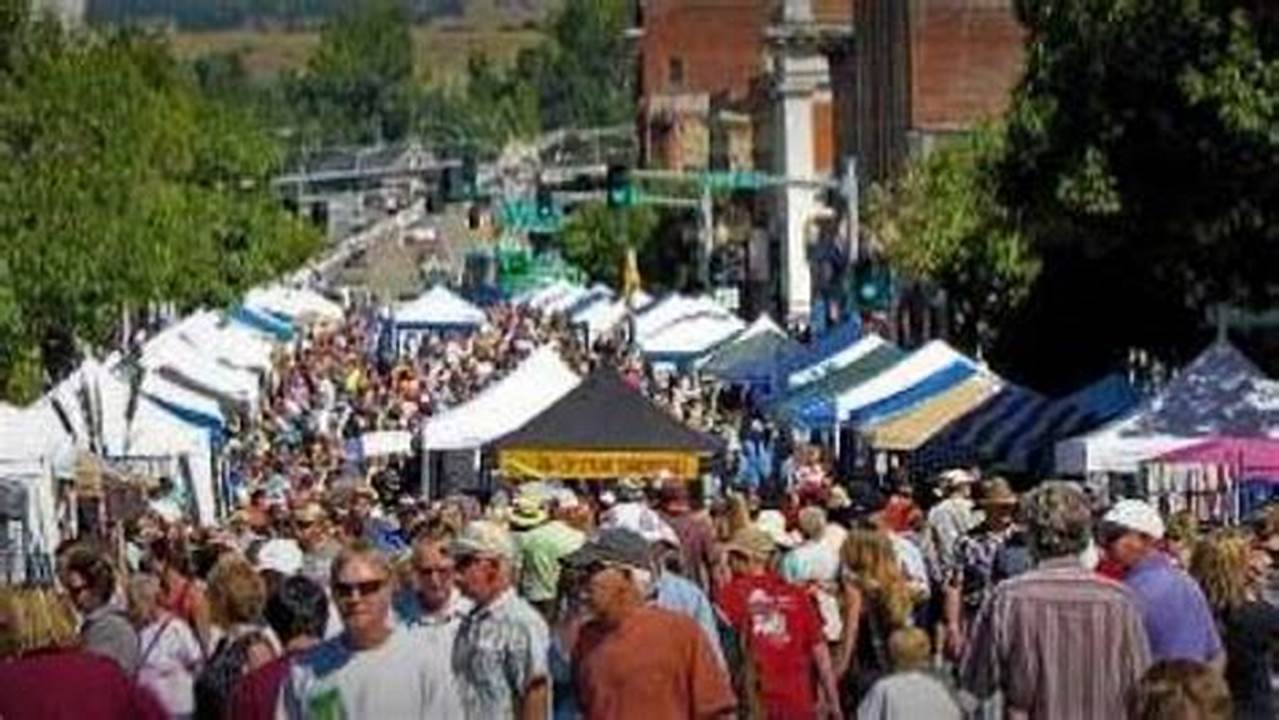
(221, 673)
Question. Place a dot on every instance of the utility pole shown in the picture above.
(851, 209)
(706, 236)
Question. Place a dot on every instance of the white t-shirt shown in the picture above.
(172, 658)
(907, 696)
(408, 676)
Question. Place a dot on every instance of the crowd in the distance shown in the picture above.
(782, 591)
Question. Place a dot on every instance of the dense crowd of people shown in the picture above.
(777, 591)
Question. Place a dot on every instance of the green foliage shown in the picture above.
(492, 109)
(121, 185)
(358, 85)
(596, 237)
(583, 75)
(1142, 147)
(941, 223)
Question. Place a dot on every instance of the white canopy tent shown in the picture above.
(34, 447)
(672, 310)
(171, 355)
(691, 337)
(541, 380)
(1220, 394)
(300, 305)
(186, 403)
(604, 316)
(438, 307)
(578, 295)
(96, 403)
(232, 344)
(546, 295)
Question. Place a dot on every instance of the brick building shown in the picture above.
(696, 60)
(927, 69)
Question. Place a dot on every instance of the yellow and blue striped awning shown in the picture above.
(908, 430)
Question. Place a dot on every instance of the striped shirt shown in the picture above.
(1061, 642)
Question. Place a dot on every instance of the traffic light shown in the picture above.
(545, 203)
(450, 184)
(872, 285)
(620, 192)
(470, 186)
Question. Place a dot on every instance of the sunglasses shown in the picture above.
(427, 570)
(358, 589)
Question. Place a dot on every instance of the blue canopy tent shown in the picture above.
(436, 310)
(1017, 429)
(796, 403)
(825, 354)
(752, 358)
(924, 374)
(263, 322)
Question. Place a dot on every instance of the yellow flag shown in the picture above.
(630, 275)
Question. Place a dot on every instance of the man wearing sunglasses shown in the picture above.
(502, 652)
(376, 668)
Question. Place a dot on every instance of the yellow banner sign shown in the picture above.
(586, 465)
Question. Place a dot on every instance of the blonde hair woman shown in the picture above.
(877, 600)
(44, 671)
(1225, 564)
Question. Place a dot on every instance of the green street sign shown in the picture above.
(733, 180)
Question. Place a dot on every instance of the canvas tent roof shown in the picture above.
(94, 394)
(297, 304)
(172, 356)
(602, 317)
(1251, 455)
(753, 354)
(879, 356)
(1220, 393)
(673, 310)
(230, 343)
(604, 413)
(915, 426)
(834, 350)
(1015, 430)
(691, 336)
(34, 449)
(538, 382)
(437, 308)
(925, 373)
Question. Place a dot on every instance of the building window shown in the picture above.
(675, 76)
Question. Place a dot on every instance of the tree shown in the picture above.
(490, 110)
(596, 238)
(942, 224)
(358, 86)
(121, 186)
(584, 73)
(1140, 162)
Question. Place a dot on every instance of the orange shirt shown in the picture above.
(656, 664)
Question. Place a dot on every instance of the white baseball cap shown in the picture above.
(1136, 515)
(281, 555)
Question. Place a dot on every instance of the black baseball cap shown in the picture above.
(615, 545)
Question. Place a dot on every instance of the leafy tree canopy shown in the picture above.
(122, 186)
(1140, 164)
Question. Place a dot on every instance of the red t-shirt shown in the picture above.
(1110, 569)
(72, 684)
(782, 628)
(256, 694)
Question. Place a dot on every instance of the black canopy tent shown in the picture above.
(603, 429)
